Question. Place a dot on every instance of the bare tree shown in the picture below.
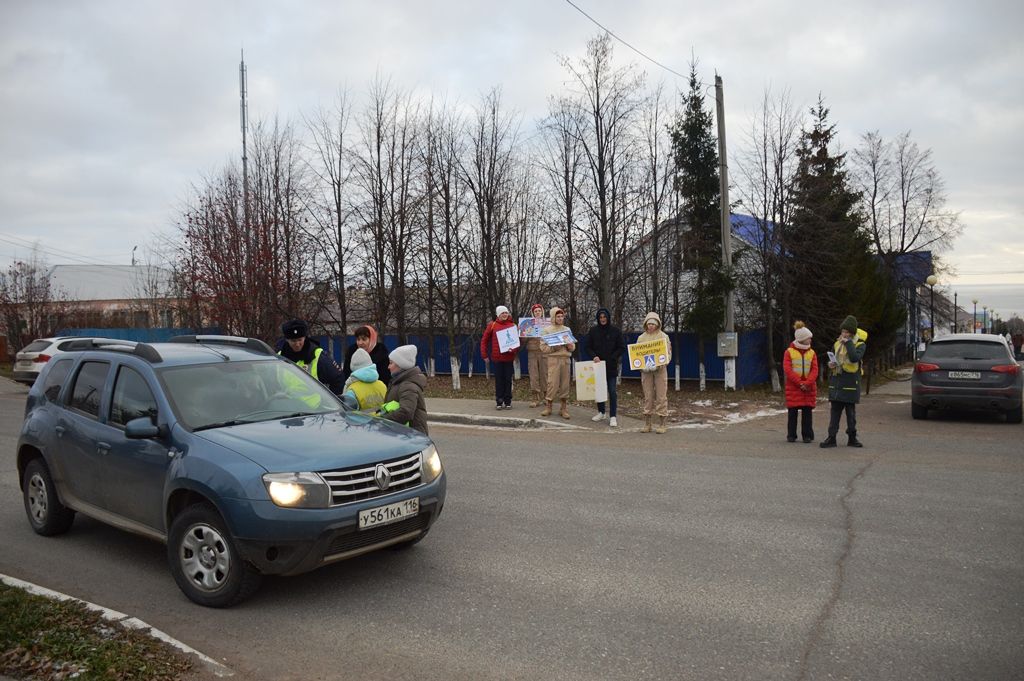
(903, 197)
(31, 306)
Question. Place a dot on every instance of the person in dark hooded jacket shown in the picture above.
(309, 356)
(404, 401)
(604, 343)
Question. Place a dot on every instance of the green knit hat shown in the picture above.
(849, 324)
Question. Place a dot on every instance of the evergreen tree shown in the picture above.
(830, 269)
(695, 150)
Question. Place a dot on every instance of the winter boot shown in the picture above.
(564, 413)
(661, 425)
(547, 408)
(830, 441)
(536, 399)
(647, 424)
(852, 441)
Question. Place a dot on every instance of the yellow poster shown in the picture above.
(648, 355)
(590, 382)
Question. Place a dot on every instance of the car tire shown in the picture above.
(46, 514)
(205, 562)
(918, 411)
(1015, 415)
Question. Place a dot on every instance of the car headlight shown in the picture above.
(298, 490)
(431, 464)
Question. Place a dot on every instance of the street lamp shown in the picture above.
(974, 319)
(931, 304)
(954, 312)
(984, 318)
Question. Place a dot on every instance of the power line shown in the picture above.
(612, 34)
(53, 251)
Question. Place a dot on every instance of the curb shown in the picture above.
(211, 664)
(511, 422)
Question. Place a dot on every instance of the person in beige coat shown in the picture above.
(538, 361)
(558, 357)
(655, 381)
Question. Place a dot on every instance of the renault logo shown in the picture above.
(382, 476)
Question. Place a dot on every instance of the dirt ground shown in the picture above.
(687, 405)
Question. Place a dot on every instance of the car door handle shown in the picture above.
(102, 447)
(60, 431)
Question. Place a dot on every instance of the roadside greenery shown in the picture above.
(42, 638)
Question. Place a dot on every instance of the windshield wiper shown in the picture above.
(245, 418)
(220, 424)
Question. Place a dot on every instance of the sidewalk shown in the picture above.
(521, 415)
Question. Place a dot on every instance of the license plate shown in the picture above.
(24, 363)
(392, 513)
(965, 375)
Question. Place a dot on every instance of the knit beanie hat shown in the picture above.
(360, 359)
(802, 336)
(404, 356)
(536, 306)
(849, 324)
(501, 309)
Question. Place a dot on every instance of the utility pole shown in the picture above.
(244, 116)
(723, 179)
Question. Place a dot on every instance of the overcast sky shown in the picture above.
(111, 109)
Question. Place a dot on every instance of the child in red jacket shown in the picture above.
(800, 364)
(501, 362)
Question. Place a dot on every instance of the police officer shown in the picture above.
(309, 356)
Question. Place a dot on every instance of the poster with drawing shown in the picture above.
(559, 338)
(508, 339)
(591, 383)
(529, 327)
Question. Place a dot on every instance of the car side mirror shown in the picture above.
(142, 429)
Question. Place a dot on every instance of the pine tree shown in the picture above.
(830, 270)
(695, 149)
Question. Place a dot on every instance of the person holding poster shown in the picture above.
(654, 377)
(558, 357)
(538, 367)
(604, 344)
(501, 358)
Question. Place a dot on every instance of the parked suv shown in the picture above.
(236, 458)
(967, 371)
(31, 359)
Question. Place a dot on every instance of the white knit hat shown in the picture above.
(802, 335)
(360, 359)
(498, 311)
(404, 356)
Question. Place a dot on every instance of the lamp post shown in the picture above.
(931, 303)
(974, 319)
(954, 312)
(984, 318)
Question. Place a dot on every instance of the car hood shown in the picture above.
(318, 443)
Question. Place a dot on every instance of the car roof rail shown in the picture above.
(254, 344)
(143, 350)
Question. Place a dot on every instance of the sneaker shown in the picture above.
(599, 416)
(613, 422)
(791, 438)
(500, 407)
(508, 406)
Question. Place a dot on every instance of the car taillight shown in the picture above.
(1012, 369)
(42, 359)
(922, 367)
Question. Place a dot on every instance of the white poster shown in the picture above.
(508, 339)
(591, 384)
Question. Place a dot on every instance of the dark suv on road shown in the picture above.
(236, 458)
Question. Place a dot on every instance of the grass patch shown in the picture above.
(43, 638)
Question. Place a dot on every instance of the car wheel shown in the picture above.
(918, 411)
(1014, 415)
(46, 514)
(204, 561)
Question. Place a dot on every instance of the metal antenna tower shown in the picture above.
(244, 115)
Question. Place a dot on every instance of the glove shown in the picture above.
(388, 407)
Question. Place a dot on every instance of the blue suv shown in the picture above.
(237, 459)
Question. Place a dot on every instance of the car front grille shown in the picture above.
(357, 484)
(360, 539)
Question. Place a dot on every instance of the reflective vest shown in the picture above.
(369, 395)
(850, 367)
(801, 361)
(297, 387)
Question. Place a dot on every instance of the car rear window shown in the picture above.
(55, 379)
(88, 388)
(36, 346)
(966, 349)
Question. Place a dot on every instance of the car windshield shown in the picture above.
(231, 393)
(965, 349)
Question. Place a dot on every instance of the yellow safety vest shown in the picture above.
(801, 362)
(850, 367)
(369, 395)
(297, 387)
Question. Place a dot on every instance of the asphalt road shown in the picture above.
(702, 554)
